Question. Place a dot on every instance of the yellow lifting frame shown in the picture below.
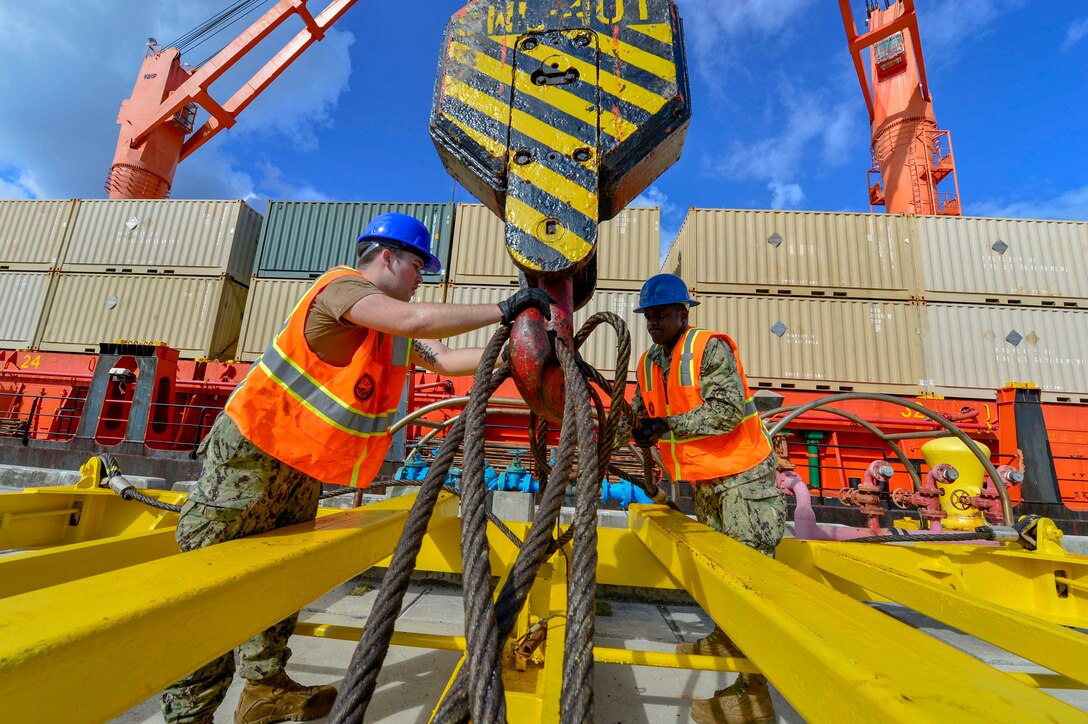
(1032, 583)
(40, 517)
(119, 637)
(834, 659)
(859, 568)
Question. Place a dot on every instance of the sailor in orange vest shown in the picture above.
(693, 401)
(316, 408)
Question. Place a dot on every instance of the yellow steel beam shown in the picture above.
(119, 637)
(1031, 582)
(621, 559)
(601, 654)
(878, 568)
(834, 659)
(667, 660)
(50, 567)
(400, 638)
(551, 681)
(62, 515)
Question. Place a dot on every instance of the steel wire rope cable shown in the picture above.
(483, 652)
(214, 26)
(366, 662)
(112, 471)
(216, 23)
(608, 425)
(619, 405)
(454, 707)
(576, 699)
(494, 519)
(619, 408)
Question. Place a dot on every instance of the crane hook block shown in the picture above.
(556, 114)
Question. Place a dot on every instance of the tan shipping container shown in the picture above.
(795, 253)
(674, 260)
(198, 316)
(818, 344)
(628, 249)
(972, 350)
(32, 233)
(194, 238)
(271, 301)
(1000, 261)
(600, 348)
(26, 295)
(268, 305)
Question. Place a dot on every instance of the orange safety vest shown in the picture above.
(329, 422)
(706, 456)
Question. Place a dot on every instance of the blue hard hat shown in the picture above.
(401, 231)
(661, 289)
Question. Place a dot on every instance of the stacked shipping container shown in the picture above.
(627, 254)
(32, 237)
(303, 239)
(913, 305)
(153, 271)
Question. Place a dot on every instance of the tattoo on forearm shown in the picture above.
(424, 352)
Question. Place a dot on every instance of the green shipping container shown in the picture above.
(302, 239)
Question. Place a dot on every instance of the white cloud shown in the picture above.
(654, 196)
(714, 28)
(810, 125)
(274, 183)
(785, 196)
(948, 25)
(1072, 204)
(18, 186)
(815, 129)
(62, 130)
(1074, 34)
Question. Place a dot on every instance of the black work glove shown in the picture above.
(524, 299)
(649, 431)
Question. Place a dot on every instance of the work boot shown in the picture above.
(278, 698)
(745, 700)
(717, 643)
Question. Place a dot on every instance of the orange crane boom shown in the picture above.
(912, 156)
(157, 121)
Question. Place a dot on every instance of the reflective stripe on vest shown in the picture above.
(320, 401)
(700, 457)
(330, 422)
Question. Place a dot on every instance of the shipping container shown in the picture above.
(674, 260)
(303, 239)
(33, 232)
(820, 344)
(628, 249)
(198, 316)
(795, 253)
(270, 302)
(268, 305)
(599, 350)
(25, 295)
(972, 350)
(1000, 261)
(182, 238)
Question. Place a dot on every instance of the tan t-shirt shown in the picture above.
(333, 339)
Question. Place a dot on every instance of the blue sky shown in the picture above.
(778, 121)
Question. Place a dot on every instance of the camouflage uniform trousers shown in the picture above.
(747, 507)
(242, 491)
